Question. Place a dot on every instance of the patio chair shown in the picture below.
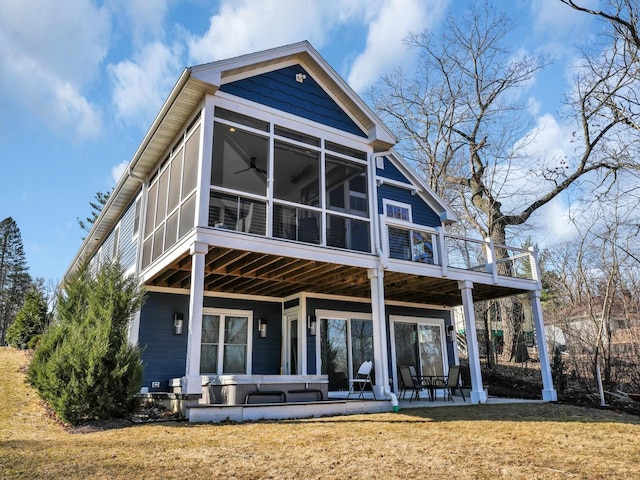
(361, 379)
(409, 382)
(451, 383)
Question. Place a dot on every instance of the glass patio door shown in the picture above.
(420, 343)
(345, 343)
(292, 364)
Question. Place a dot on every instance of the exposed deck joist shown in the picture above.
(249, 273)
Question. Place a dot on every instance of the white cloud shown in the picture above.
(145, 19)
(551, 18)
(141, 85)
(385, 47)
(48, 54)
(117, 171)
(555, 223)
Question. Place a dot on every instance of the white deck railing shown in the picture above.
(417, 243)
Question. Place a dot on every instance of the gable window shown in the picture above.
(225, 342)
(397, 210)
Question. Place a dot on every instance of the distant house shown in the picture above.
(283, 243)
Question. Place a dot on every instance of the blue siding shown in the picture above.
(279, 89)
(163, 353)
(391, 172)
(266, 351)
(422, 213)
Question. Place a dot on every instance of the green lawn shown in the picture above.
(507, 441)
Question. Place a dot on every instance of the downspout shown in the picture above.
(382, 264)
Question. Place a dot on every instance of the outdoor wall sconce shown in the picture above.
(451, 331)
(311, 325)
(262, 327)
(178, 320)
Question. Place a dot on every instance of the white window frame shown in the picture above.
(223, 313)
(339, 315)
(386, 202)
(434, 322)
(324, 134)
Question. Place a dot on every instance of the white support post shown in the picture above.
(380, 360)
(204, 163)
(478, 395)
(549, 394)
(193, 380)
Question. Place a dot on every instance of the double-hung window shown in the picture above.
(226, 342)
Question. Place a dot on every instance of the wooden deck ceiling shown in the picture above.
(249, 273)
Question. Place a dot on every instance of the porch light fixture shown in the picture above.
(311, 325)
(262, 327)
(178, 319)
(451, 331)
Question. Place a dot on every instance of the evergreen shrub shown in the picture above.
(84, 366)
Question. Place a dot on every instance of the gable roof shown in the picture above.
(188, 92)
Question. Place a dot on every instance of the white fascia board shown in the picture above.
(435, 271)
(87, 248)
(269, 246)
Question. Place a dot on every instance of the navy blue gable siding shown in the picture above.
(422, 214)
(391, 172)
(164, 354)
(279, 89)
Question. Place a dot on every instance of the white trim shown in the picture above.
(223, 313)
(347, 316)
(387, 202)
(438, 322)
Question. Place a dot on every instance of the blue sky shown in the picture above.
(81, 81)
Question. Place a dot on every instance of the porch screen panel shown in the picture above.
(151, 210)
(235, 345)
(297, 174)
(333, 353)
(190, 175)
(210, 342)
(187, 214)
(399, 243)
(174, 181)
(431, 355)
(240, 159)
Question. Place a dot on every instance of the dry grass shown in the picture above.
(508, 441)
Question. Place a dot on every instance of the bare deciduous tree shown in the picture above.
(462, 122)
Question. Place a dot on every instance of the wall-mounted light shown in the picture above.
(311, 324)
(300, 77)
(262, 327)
(178, 320)
(451, 331)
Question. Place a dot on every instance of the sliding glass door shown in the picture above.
(345, 343)
(420, 342)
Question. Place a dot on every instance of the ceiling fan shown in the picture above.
(252, 166)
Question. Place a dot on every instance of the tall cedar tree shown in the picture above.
(32, 319)
(84, 366)
(14, 277)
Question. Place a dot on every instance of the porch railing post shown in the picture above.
(443, 256)
(490, 252)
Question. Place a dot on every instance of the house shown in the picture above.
(282, 243)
